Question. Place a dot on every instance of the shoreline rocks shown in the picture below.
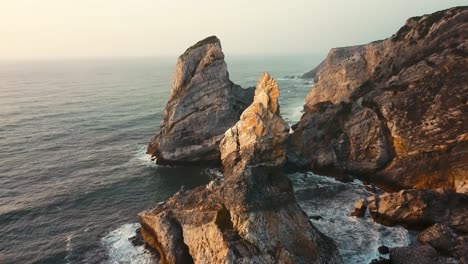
(250, 215)
(202, 105)
(393, 116)
(419, 209)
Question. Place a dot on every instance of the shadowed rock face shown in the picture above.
(402, 121)
(249, 216)
(202, 105)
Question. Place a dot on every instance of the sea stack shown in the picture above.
(250, 215)
(203, 103)
(393, 112)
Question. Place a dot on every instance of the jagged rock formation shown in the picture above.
(419, 209)
(202, 105)
(399, 114)
(249, 216)
(343, 71)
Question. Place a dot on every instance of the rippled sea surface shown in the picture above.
(73, 173)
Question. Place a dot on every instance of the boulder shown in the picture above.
(250, 215)
(202, 105)
(414, 255)
(395, 115)
(446, 242)
(440, 237)
(419, 209)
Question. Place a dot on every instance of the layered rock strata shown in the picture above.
(202, 105)
(250, 215)
(395, 114)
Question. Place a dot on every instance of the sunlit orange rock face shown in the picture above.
(393, 112)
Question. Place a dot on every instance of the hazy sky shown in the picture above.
(90, 28)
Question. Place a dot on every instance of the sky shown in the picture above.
(116, 28)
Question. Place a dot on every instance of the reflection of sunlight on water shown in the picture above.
(121, 250)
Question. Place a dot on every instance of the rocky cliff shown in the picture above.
(202, 105)
(395, 110)
(249, 216)
(343, 70)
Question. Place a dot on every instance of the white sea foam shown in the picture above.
(68, 248)
(357, 238)
(121, 250)
(214, 172)
(142, 158)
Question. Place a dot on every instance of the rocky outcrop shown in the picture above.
(343, 70)
(419, 209)
(360, 208)
(416, 255)
(202, 105)
(394, 115)
(440, 237)
(250, 215)
(439, 244)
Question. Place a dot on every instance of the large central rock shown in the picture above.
(202, 105)
(249, 216)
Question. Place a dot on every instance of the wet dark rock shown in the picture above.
(394, 114)
(250, 215)
(384, 250)
(316, 217)
(380, 261)
(202, 105)
(137, 240)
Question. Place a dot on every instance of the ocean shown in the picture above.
(74, 173)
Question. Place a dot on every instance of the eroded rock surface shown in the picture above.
(202, 105)
(419, 209)
(343, 70)
(396, 115)
(249, 216)
(440, 237)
